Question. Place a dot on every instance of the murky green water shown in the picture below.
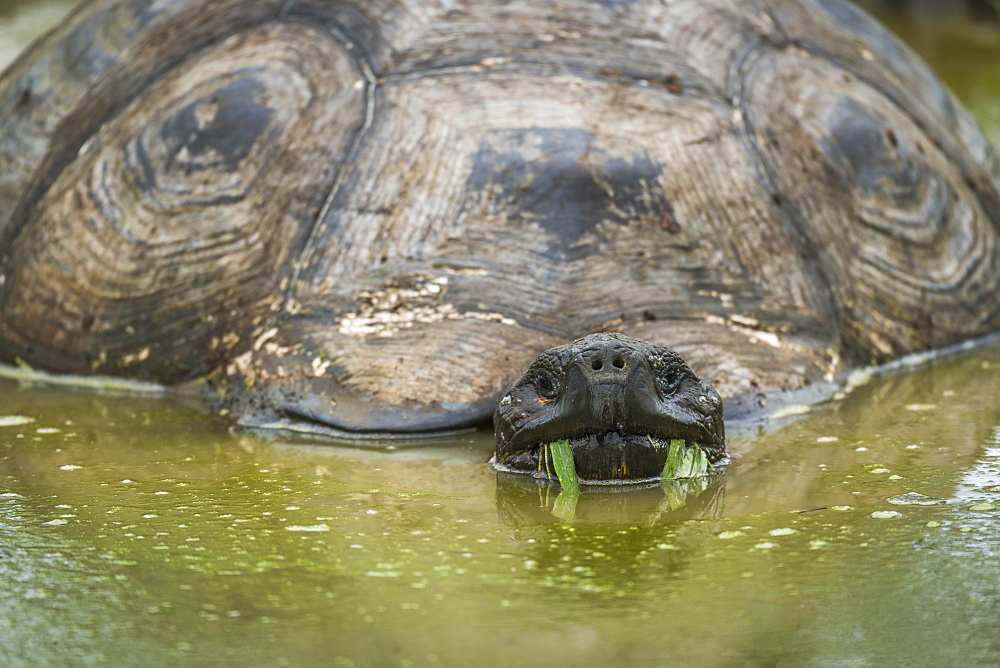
(145, 532)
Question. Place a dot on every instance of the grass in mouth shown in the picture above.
(684, 461)
(562, 459)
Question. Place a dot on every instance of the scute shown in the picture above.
(857, 46)
(165, 241)
(45, 84)
(906, 245)
(565, 182)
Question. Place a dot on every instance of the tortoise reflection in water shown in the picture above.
(368, 216)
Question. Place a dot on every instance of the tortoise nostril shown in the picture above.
(596, 365)
(619, 363)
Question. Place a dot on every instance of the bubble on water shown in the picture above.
(70, 467)
(880, 471)
(765, 545)
(827, 439)
(315, 528)
(914, 499)
(841, 508)
(56, 522)
(47, 430)
(15, 420)
(784, 531)
(886, 514)
(726, 535)
(817, 544)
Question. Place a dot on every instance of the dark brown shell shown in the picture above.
(372, 214)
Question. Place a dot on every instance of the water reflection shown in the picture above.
(522, 500)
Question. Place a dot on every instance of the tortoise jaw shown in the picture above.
(608, 458)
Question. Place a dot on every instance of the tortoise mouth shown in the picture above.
(608, 409)
(610, 458)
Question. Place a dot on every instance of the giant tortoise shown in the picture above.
(369, 216)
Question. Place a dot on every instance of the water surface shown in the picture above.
(146, 532)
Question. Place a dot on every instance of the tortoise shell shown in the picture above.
(370, 215)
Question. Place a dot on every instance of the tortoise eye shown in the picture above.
(546, 385)
(669, 381)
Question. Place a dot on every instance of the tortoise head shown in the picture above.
(620, 402)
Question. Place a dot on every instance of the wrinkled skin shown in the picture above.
(619, 401)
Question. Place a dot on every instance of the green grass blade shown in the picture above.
(562, 459)
(687, 463)
(694, 464)
(674, 459)
(699, 463)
